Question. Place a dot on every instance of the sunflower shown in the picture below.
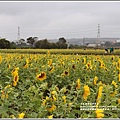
(15, 71)
(95, 80)
(99, 113)
(50, 117)
(0, 59)
(64, 98)
(51, 69)
(99, 94)
(4, 95)
(15, 80)
(118, 101)
(119, 76)
(8, 66)
(66, 73)
(114, 83)
(21, 115)
(114, 93)
(86, 92)
(84, 60)
(78, 84)
(73, 66)
(52, 108)
(41, 76)
(25, 66)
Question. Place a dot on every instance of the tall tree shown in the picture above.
(62, 43)
(44, 44)
(22, 41)
(31, 40)
(4, 43)
(62, 40)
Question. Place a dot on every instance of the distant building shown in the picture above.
(92, 45)
(117, 41)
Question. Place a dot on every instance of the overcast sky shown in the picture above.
(59, 19)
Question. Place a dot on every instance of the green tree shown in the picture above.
(13, 45)
(43, 44)
(22, 41)
(107, 44)
(62, 43)
(31, 41)
(4, 43)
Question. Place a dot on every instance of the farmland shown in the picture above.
(59, 85)
(86, 51)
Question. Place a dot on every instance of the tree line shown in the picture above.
(31, 42)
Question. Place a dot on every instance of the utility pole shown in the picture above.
(18, 34)
(98, 35)
(83, 41)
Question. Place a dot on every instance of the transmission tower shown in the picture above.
(98, 34)
(18, 34)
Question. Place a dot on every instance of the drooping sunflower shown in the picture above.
(86, 92)
(15, 80)
(0, 59)
(99, 94)
(41, 76)
(95, 80)
(78, 84)
(15, 71)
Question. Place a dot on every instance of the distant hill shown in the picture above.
(81, 41)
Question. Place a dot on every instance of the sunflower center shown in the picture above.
(42, 75)
(66, 72)
(16, 77)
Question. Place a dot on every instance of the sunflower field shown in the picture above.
(59, 86)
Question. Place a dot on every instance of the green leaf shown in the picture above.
(4, 108)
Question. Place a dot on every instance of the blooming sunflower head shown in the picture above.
(50, 117)
(41, 76)
(99, 113)
(21, 115)
(16, 78)
(66, 73)
(114, 83)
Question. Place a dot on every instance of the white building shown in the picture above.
(92, 45)
(117, 41)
